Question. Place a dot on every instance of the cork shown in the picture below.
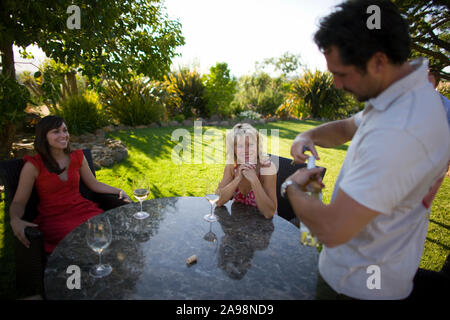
(191, 260)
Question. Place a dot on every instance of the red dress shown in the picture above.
(62, 207)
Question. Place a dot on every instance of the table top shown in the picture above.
(252, 258)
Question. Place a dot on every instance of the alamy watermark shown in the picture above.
(374, 21)
(214, 146)
(374, 280)
(74, 20)
(74, 280)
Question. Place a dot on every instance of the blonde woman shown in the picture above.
(249, 176)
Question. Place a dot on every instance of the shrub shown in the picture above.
(135, 102)
(315, 94)
(82, 112)
(187, 94)
(261, 93)
(444, 88)
(249, 114)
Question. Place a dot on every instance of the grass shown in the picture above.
(150, 154)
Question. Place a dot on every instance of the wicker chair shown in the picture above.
(30, 262)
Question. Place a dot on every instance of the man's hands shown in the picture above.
(302, 143)
(304, 176)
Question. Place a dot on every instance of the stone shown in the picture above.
(153, 125)
(173, 123)
(224, 123)
(188, 123)
(106, 162)
(20, 149)
(109, 128)
(164, 124)
(214, 117)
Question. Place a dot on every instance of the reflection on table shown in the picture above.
(242, 256)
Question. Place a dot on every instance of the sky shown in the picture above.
(242, 32)
(238, 32)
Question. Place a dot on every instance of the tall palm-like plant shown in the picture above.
(189, 89)
(315, 93)
(136, 101)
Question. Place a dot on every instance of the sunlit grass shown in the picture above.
(150, 155)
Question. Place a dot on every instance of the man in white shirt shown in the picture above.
(374, 228)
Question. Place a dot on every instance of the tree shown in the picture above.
(288, 63)
(13, 101)
(219, 89)
(429, 23)
(114, 39)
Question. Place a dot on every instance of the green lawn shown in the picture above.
(150, 153)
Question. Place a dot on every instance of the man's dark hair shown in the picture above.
(347, 29)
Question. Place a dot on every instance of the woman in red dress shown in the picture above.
(56, 171)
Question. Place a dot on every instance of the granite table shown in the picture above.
(242, 256)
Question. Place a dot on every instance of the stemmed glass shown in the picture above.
(140, 192)
(99, 236)
(212, 198)
(210, 236)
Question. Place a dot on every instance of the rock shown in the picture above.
(106, 162)
(100, 133)
(214, 117)
(141, 126)
(109, 128)
(105, 152)
(188, 123)
(173, 123)
(224, 123)
(164, 124)
(153, 125)
(20, 149)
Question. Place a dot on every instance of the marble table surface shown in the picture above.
(242, 256)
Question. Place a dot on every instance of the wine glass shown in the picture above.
(140, 192)
(99, 236)
(212, 198)
(210, 236)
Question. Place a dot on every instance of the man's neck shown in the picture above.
(396, 73)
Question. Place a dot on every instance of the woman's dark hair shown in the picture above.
(347, 29)
(41, 144)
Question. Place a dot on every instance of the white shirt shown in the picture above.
(400, 149)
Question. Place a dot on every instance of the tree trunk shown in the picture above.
(6, 48)
(7, 133)
(72, 80)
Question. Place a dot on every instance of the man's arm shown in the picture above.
(327, 135)
(332, 224)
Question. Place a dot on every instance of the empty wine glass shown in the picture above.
(212, 198)
(99, 236)
(140, 192)
(210, 236)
